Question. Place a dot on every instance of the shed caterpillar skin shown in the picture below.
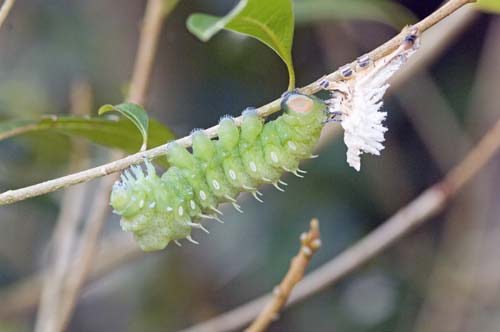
(357, 99)
(158, 210)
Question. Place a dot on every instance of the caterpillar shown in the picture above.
(160, 209)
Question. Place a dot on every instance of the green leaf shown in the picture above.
(384, 11)
(121, 134)
(134, 113)
(492, 6)
(269, 21)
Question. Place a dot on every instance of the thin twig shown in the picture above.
(310, 243)
(67, 223)
(5, 10)
(85, 254)
(12, 196)
(428, 204)
(148, 43)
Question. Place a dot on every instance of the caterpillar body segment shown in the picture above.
(158, 210)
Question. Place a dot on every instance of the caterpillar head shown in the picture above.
(303, 106)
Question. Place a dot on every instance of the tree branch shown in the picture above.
(148, 43)
(428, 204)
(5, 10)
(83, 258)
(310, 243)
(66, 229)
(12, 196)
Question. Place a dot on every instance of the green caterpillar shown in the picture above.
(163, 209)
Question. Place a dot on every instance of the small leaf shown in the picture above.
(121, 134)
(384, 11)
(270, 22)
(492, 6)
(134, 113)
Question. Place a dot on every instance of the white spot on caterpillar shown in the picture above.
(232, 174)
(169, 209)
(152, 205)
(203, 196)
(274, 157)
(193, 205)
(292, 145)
(253, 167)
(216, 184)
(181, 211)
(141, 203)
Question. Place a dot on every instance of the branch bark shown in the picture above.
(5, 10)
(310, 243)
(12, 196)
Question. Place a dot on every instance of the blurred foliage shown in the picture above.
(46, 45)
(387, 12)
(489, 5)
(271, 22)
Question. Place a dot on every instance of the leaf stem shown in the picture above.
(291, 76)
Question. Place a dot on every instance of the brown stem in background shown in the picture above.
(5, 10)
(154, 16)
(65, 231)
(428, 204)
(462, 288)
(12, 196)
(115, 251)
(82, 261)
(310, 243)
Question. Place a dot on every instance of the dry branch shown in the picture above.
(82, 261)
(65, 231)
(5, 10)
(310, 243)
(12, 196)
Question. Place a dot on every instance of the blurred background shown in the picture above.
(445, 276)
